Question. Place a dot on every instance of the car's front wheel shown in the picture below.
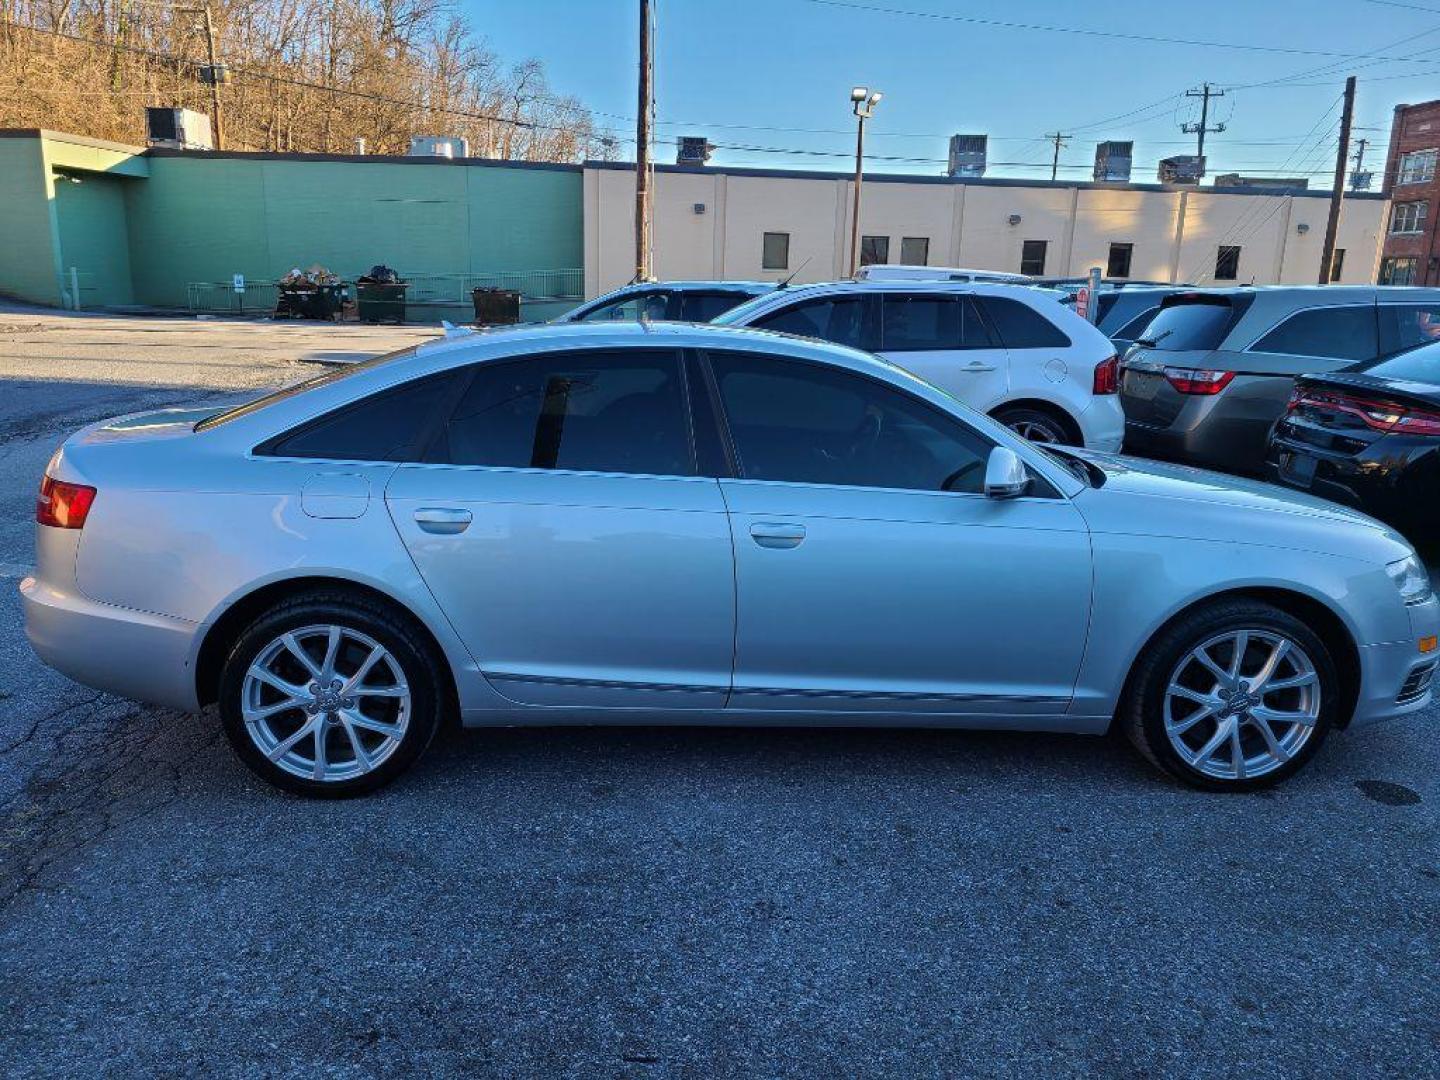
(330, 695)
(1235, 696)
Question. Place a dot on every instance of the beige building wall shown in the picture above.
(709, 225)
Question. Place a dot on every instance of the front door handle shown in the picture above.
(769, 534)
(978, 366)
(443, 520)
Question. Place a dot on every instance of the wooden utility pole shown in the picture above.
(219, 118)
(1059, 140)
(1337, 193)
(642, 149)
(1205, 93)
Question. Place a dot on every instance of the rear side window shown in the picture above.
(620, 411)
(930, 322)
(636, 306)
(839, 319)
(1340, 333)
(702, 307)
(392, 425)
(1190, 325)
(1405, 326)
(1019, 326)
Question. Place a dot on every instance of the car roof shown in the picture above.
(695, 286)
(996, 288)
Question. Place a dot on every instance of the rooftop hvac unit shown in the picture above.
(692, 150)
(967, 155)
(1112, 162)
(1185, 169)
(439, 146)
(178, 129)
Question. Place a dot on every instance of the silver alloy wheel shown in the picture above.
(1242, 704)
(325, 702)
(1036, 433)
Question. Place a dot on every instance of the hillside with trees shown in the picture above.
(305, 75)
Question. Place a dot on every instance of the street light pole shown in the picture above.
(863, 101)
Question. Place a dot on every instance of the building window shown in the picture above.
(1227, 263)
(1417, 167)
(1337, 264)
(1409, 217)
(915, 251)
(874, 249)
(1032, 257)
(775, 251)
(1118, 265)
(1395, 271)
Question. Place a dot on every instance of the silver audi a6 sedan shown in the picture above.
(622, 523)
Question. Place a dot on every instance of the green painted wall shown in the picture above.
(27, 255)
(201, 218)
(93, 236)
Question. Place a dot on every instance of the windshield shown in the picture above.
(1418, 365)
(740, 314)
(333, 375)
(1193, 323)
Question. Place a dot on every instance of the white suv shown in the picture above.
(1006, 350)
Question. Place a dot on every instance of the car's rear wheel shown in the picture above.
(1235, 696)
(330, 695)
(1035, 425)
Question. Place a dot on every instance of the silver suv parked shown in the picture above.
(1212, 372)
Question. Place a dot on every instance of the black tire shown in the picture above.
(403, 640)
(1036, 424)
(1142, 710)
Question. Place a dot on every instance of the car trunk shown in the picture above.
(1344, 414)
(1184, 334)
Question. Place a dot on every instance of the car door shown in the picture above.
(1040, 352)
(559, 521)
(872, 574)
(941, 338)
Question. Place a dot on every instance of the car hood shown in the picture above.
(1162, 499)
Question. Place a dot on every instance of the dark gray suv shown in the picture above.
(1213, 370)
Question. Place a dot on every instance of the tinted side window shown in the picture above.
(612, 411)
(702, 307)
(387, 426)
(1020, 326)
(1404, 326)
(930, 322)
(806, 423)
(839, 319)
(1190, 325)
(1343, 333)
(629, 309)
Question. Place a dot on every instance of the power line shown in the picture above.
(1152, 39)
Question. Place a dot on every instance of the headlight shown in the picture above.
(1410, 578)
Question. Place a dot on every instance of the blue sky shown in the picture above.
(776, 74)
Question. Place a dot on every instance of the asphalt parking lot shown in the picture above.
(663, 902)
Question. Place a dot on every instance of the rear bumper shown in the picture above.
(130, 653)
(1226, 431)
(1103, 424)
(1394, 479)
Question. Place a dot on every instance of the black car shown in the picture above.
(1369, 436)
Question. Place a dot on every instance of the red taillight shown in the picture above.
(1198, 380)
(1384, 416)
(65, 506)
(1107, 376)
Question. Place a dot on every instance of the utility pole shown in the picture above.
(862, 103)
(1359, 171)
(1059, 140)
(1205, 93)
(642, 149)
(214, 79)
(1337, 193)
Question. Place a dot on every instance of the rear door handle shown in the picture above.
(444, 520)
(770, 534)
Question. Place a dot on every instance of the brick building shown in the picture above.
(1410, 256)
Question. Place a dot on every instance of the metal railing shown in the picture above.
(426, 290)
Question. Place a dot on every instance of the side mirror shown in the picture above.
(1005, 474)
